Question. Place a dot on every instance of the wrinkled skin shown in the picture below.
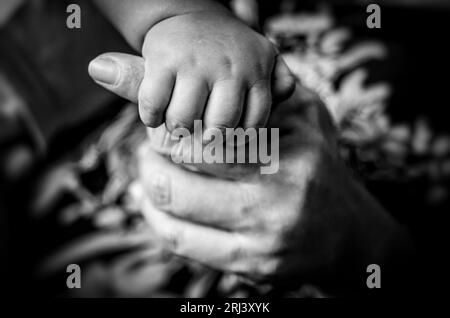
(311, 221)
(295, 224)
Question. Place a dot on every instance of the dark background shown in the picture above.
(418, 67)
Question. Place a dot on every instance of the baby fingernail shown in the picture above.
(104, 70)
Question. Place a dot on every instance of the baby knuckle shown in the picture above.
(260, 71)
(191, 61)
(185, 65)
(226, 66)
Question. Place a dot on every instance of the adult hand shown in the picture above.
(310, 221)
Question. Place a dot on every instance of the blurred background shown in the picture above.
(67, 147)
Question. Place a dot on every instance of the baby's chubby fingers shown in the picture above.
(155, 94)
(187, 103)
(225, 105)
(258, 105)
(157, 89)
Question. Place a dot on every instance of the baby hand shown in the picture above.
(204, 65)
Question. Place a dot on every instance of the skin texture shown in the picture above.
(309, 222)
(201, 63)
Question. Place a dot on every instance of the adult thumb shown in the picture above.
(119, 73)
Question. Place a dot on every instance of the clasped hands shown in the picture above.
(309, 222)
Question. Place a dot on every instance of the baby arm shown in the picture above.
(200, 62)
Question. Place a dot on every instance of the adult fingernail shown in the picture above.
(104, 70)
